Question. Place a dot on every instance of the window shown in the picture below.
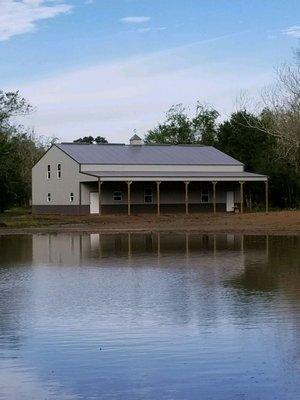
(58, 171)
(71, 197)
(117, 196)
(48, 172)
(48, 197)
(204, 195)
(148, 195)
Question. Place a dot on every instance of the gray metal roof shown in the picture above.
(146, 154)
(176, 175)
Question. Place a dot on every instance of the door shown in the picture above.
(94, 203)
(229, 201)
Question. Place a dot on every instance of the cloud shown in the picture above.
(113, 99)
(149, 29)
(135, 20)
(293, 31)
(19, 17)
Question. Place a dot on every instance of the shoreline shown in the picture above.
(259, 223)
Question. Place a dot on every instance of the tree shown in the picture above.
(176, 129)
(91, 140)
(281, 113)
(278, 116)
(19, 150)
(100, 139)
(179, 128)
(205, 124)
(12, 105)
(242, 138)
(252, 146)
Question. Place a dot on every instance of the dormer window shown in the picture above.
(48, 172)
(58, 171)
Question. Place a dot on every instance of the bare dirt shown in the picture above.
(278, 222)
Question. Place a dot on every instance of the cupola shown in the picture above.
(135, 140)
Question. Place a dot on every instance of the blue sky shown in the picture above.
(106, 67)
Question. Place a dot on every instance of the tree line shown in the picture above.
(266, 138)
(19, 150)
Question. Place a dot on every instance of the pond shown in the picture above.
(149, 316)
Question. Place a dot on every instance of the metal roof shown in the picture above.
(176, 175)
(146, 154)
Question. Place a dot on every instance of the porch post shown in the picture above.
(267, 196)
(242, 196)
(158, 245)
(187, 247)
(128, 197)
(186, 197)
(129, 249)
(99, 194)
(158, 197)
(214, 196)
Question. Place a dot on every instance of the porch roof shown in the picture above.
(175, 176)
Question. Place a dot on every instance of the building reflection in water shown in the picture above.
(226, 255)
(70, 249)
(245, 262)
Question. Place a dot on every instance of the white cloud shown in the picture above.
(153, 29)
(113, 99)
(135, 20)
(19, 17)
(293, 31)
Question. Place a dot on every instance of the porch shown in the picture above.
(167, 193)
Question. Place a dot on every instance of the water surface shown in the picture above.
(152, 316)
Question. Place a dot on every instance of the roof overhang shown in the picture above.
(107, 176)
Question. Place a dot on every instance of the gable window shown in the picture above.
(204, 195)
(58, 171)
(48, 197)
(148, 195)
(48, 172)
(117, 196)
(71, 197)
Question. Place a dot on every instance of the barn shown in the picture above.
(77, 178)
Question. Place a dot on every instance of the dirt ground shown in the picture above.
(279, 222)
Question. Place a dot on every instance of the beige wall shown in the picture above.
(60, 189)
(59, 249)
(163, 168)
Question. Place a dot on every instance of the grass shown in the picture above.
(22, 218)
(19, 219)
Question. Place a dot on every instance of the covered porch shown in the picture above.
(167, 192)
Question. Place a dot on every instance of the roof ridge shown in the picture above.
(144, 144)
(91, 144)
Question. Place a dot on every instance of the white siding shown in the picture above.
(161, 168)
(60, 189)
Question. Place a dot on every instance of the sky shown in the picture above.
(109, 67)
